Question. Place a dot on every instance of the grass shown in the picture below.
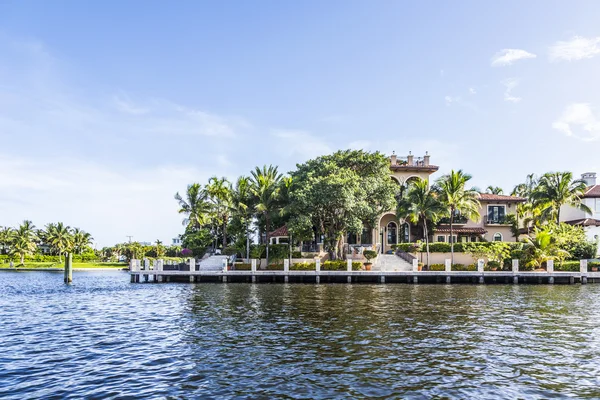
(83, 265)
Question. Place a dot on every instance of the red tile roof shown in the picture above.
(592, 191)
(281, 231)
(584, 222)
(500, 197)
(444, 229)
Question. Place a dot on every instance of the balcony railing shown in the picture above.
(500, 220)
(458, 220)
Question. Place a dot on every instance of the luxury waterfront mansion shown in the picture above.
(491, 226)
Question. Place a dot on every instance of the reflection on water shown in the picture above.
(104, 337)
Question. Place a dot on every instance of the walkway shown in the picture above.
(391, 262)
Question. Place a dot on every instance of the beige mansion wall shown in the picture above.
(440, 258)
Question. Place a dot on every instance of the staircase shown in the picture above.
(391, 262)
(212, 263)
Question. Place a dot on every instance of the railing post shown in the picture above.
(515, 270)
(583, 269)
(317, 270)
(286, 265)
(253, 269)
(480, 264)
(146, 268)
(415, 265)
(349, 265)
(550, 270)
(447, 265)
(159, 267)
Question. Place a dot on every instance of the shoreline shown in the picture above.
(62, 269)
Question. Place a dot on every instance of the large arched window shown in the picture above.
(404, 233)
(497, 237)
(392, 237)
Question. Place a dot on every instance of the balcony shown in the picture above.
(458, 220)
(499, 220)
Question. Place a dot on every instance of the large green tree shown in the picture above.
(194, 205)
(219, 191)
(557, 189)
(24, 240)
(340, 193)
(420, 204)
(241, 208)
(59, 237)
(81, 240)
(458, 199)
(6, 238)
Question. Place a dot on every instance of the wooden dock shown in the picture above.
(263, 276)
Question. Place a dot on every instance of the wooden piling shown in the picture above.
(68, 268)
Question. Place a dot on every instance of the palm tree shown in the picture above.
(219, 190)
(556, 189)
(241, 201)
(194, 206)
(81, 240)
(265, 187)
(24, 240)
(59, 237)
(159, 248)
(543, 248)
(457, 199)
(420, 204)
(6, 238)
(494, 190)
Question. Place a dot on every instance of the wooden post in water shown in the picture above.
(131, 269)
(515, 271)
(69, 268)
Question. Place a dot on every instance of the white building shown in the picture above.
(589, 222)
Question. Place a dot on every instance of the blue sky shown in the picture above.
(108, 108)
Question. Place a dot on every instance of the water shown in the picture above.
(106, 338)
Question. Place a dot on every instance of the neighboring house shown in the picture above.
(176, 241)
(577, 217)
(492, 226)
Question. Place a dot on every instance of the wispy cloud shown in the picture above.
(451, 100)
(509, 85)
(472, 91)
(575, 49)
(300, 144)
(510, 56)
(579, 120)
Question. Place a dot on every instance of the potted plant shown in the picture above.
(420, 266)
(369, 255)
(494, 265)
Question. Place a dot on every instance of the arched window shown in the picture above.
(392, 237)
(497, 237)
(405, 233)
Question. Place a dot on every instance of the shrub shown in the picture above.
(493, 264)
(369, 255)
(437, 267)
(408, 247)
(275, 267)
(570, 266)
(242, 267)
(304, 266)
(296, 254)
(461, 267)
(230, 251)
(340, 265)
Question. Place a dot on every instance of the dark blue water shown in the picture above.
(106, 338)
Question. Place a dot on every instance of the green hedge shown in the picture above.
(304, 266)
(340, 265)
(242, 267)
(455, 267)
(47, 258)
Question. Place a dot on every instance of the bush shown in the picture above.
(461, 267)
(408, 247)
(275, 267)
(437, 267)
(305, 266)
(242, 267)
(296, 254)
(570, 266)
(230, 251)
(340, 265)
(369, 255)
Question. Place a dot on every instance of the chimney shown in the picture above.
(410, 158)
(589, 178)
(426, 159)
(393, 158)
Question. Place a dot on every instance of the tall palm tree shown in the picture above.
(265, 187)
(195, 206)
(457, 199)
(159, 248)
(556, 189)
(219, 190)
(24, 240)
(241, 202)
(526, 211)
(6, 238)
(420, 204)
(60, 238)
(494, 190)
(81, 240)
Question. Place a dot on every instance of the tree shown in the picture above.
(195, 206)
(81, 240)
(24, 240)
(420, 204)
(59, 237)
(241, 207)
(219, 191)
(160, 249)
(543, 247)
(556, 189)
(340, 193)
(457, 199)
(265, 188)
(6, 238)
(494, 190)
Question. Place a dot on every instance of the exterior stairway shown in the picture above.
(391, 262)
(212, 263)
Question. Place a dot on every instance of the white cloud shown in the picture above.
(300, 144)
(509, 56)
(575, 49)
(472, 91)
(125, 105)
(579, 121)
(450, 100)
(510, 84)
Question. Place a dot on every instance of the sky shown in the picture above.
(108, 108)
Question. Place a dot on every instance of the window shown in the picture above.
(391, 233)
(496, 215)
(453, 238)
(473, 238)
(497, 237)
(365, 237)
(441, 238)
(351, 238)
(405, 233)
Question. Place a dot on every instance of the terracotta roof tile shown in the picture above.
(500, 197)
(592, 191)
(281, 231)
(584, 222)
(478, 231)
